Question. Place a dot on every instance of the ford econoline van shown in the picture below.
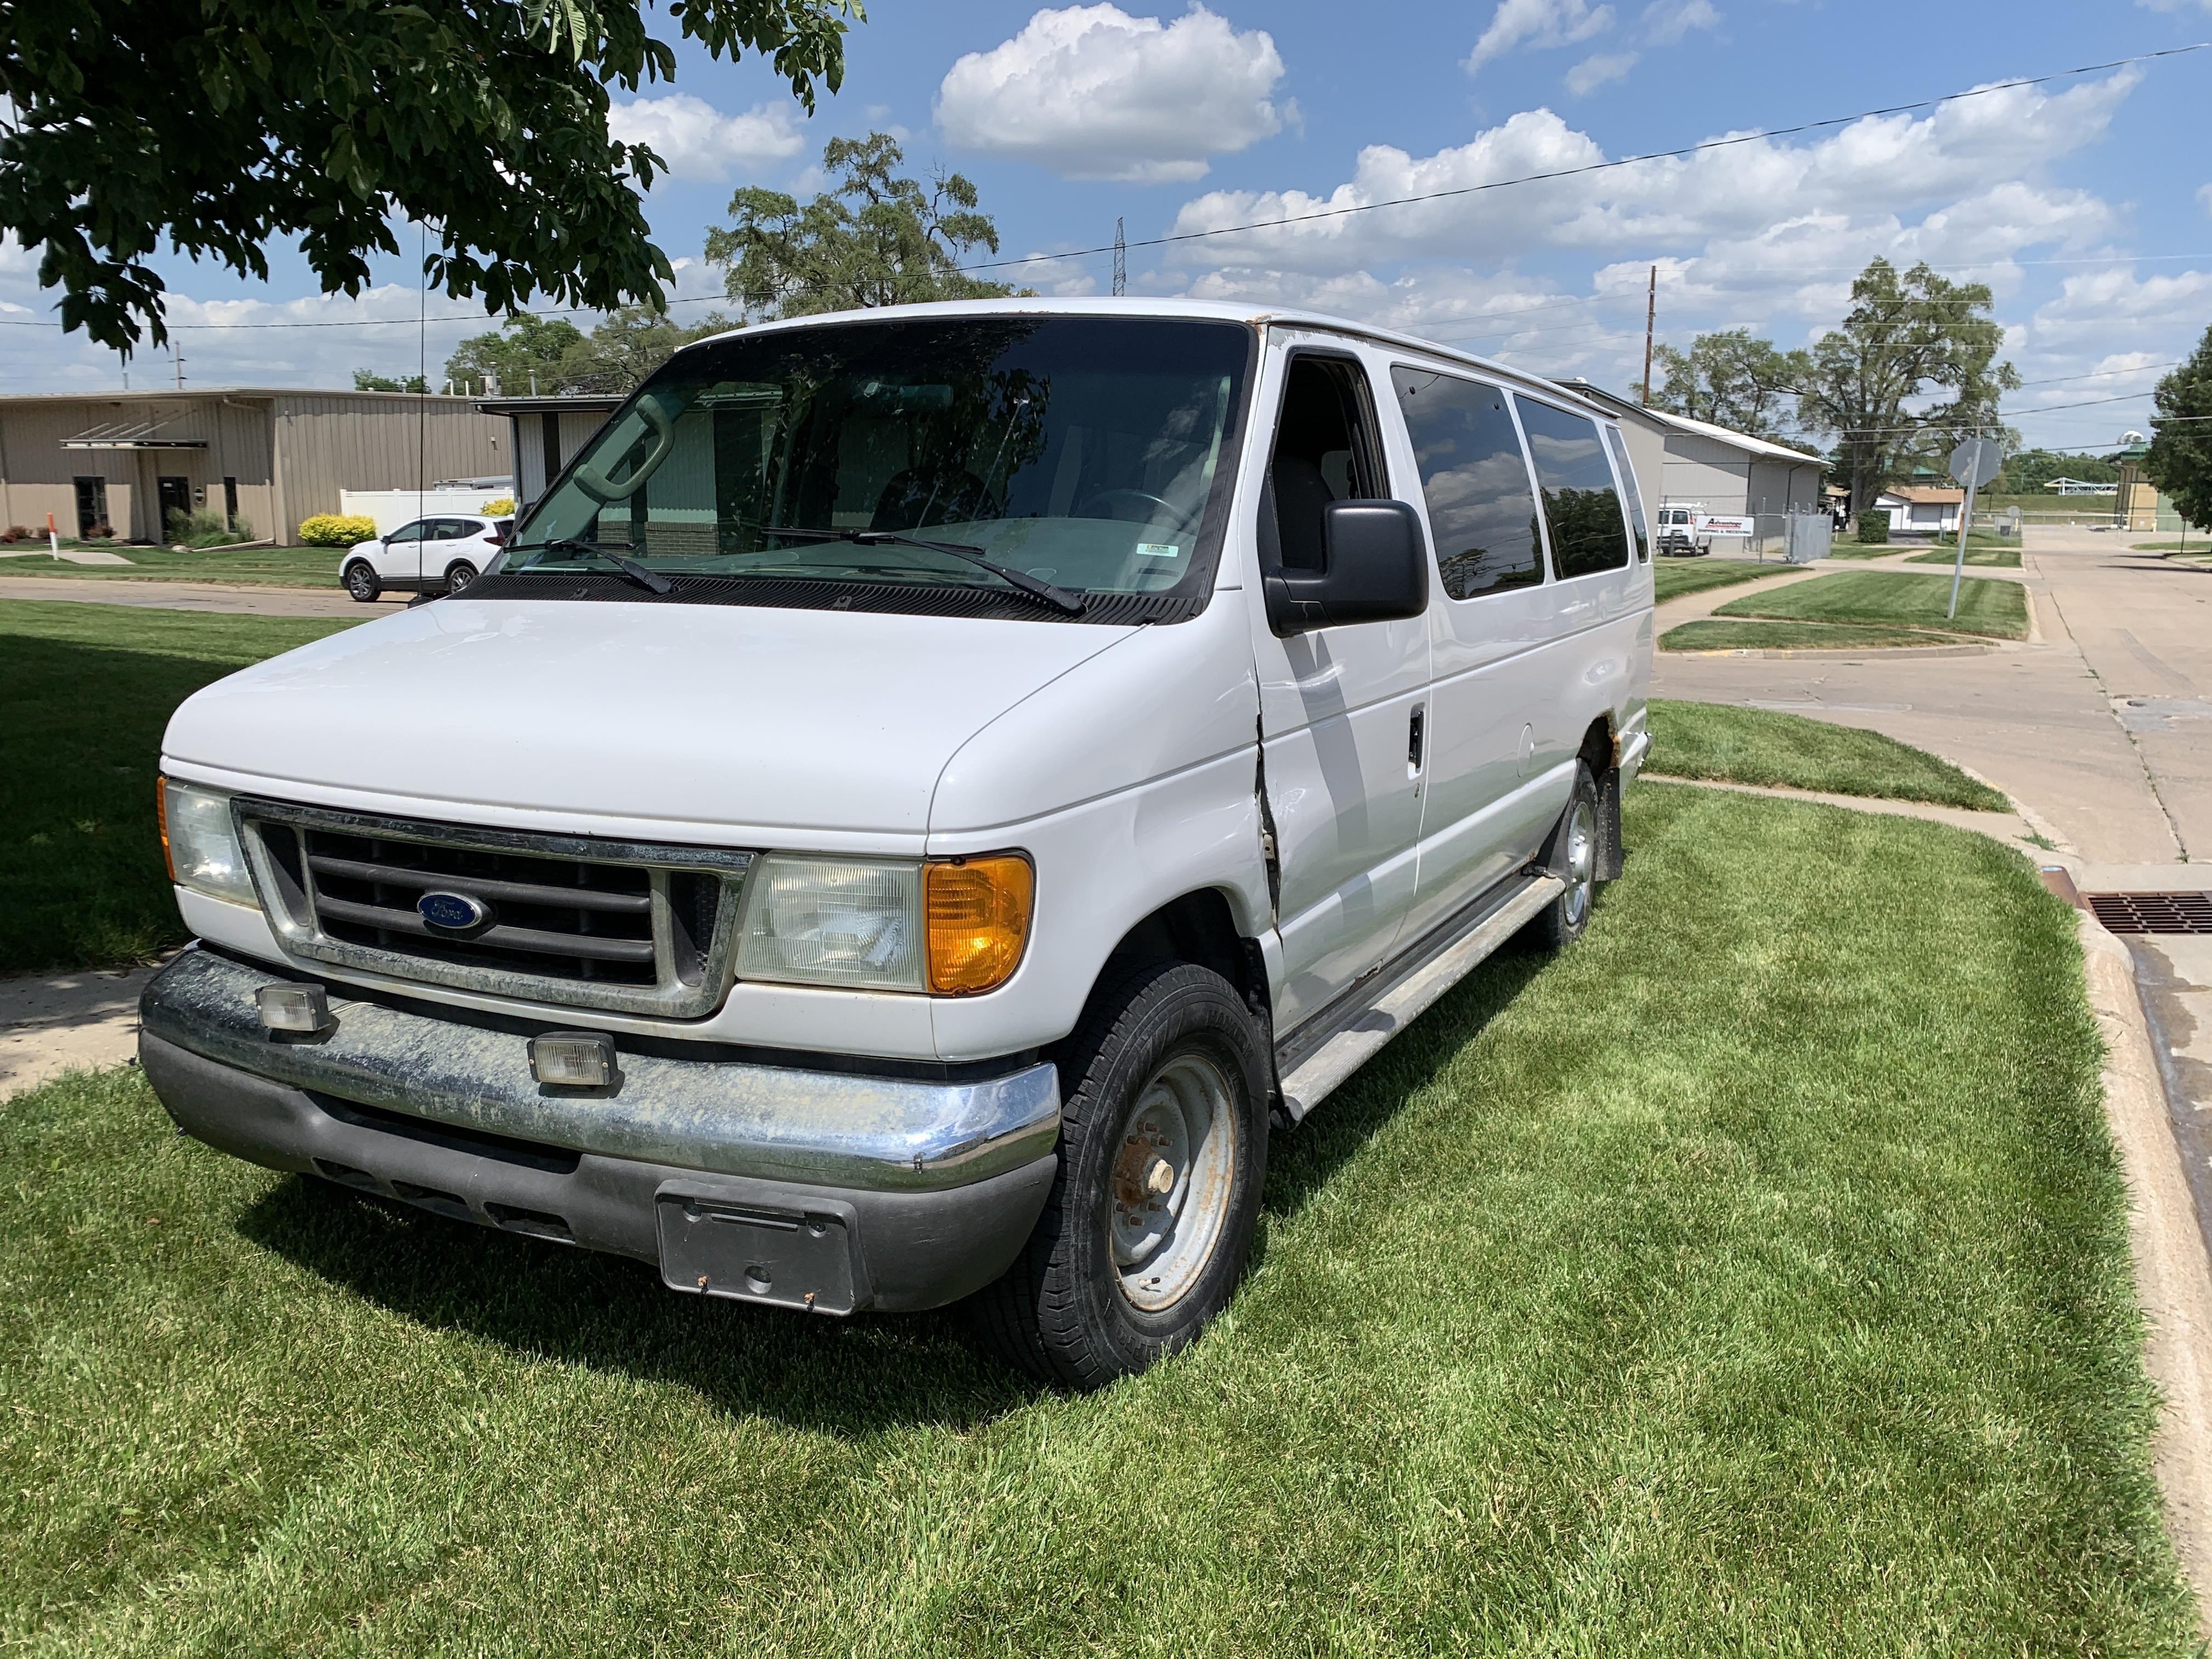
(918, 801)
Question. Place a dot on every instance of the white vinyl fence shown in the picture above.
(393, 507)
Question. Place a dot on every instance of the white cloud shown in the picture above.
(700, 142)
(1600, 67)
(1093, 93)
(1874, 168)
(1537, 24)
(1666, 21)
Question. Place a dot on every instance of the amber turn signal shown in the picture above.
(162, 817)
(976, 913)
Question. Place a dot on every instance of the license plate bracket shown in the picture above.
(798, 1257)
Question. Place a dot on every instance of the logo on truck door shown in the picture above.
(453, 912)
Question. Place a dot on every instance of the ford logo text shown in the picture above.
(453, 912)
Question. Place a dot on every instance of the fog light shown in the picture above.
(573, 1059)
(294, 1007)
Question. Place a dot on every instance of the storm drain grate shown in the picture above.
(2152, 913)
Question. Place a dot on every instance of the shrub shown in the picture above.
(498, 507)
(337, 529)
(204, 529)
(16, 532)
(1873, 526)
(98, 532)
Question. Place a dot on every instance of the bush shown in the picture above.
(499, 507)
(16, 532)
(337, 529)
(1873, 526)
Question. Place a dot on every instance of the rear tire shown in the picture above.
(1163, 1147)
(459, 575)
(1574, 855)
(360, 582)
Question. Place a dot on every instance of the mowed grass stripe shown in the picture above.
(1767, 746)
(88, 690)
(1752, 1276)
(1987, 605)
(1672, 578)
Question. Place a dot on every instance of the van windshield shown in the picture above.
(812, 466)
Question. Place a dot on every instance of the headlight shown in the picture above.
(953, 926)
(201, 842)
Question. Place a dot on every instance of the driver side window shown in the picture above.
(1325, 451)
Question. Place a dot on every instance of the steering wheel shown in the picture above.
(1183, 520)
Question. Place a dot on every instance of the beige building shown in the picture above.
(269, 457)
(1680, 461)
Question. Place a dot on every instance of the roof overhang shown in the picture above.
(129, 434)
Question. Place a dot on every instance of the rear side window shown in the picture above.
(1619, 445)
(1325, 452)
(1581, 507)
(1482, 512)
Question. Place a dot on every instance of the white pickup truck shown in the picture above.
(918, 799)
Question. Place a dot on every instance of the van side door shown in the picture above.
(1491, 622)
(1341, 707)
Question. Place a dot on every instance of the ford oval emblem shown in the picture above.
(454, 912)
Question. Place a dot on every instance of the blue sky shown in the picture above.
(2087, 203)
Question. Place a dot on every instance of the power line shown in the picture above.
(1624, 162)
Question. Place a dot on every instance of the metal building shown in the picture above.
(270, 456)
(1692, 462)
(548, 431)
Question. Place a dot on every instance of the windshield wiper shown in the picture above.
(1036, 586)
(630, 567)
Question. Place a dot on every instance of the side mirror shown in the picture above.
(1376, 569)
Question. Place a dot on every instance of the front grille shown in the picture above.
(560, 918)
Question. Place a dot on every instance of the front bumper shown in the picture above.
(824, 1189)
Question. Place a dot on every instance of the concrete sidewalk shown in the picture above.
(58, 1023)
(240, 600)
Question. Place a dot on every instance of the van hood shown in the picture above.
(714, 715)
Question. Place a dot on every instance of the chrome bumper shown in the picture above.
(770, 1123)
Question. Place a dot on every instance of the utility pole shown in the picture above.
(1651, 316)
(1121, 262)
(177, 346)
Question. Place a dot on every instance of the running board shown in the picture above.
(1323, 1061)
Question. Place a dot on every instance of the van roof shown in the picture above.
(1205, 310)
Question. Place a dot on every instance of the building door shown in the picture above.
(175, 496)
(91, 505)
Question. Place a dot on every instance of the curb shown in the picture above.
(2173, 1273)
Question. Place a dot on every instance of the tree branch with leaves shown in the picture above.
(219, 126)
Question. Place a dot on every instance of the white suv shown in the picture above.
(439, 555)
(924, 795)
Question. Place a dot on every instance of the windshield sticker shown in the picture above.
(1159, 550)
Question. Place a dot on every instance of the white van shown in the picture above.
(1682, 532)
(917, 798)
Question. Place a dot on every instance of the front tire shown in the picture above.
(1163, 1147)
(360, 582)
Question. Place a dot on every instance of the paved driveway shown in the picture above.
(239, 600)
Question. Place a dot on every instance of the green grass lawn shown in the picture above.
(1721, 634)
(1987, 605)
(1672, 578)
(288, 567)
(2196, 544)
(1843, 549)
(88, 690)
(2002, 557)
(1751, 1278)
(1764, 746)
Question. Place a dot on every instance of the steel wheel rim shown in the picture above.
(1581, 861)
(357, 581)
(1173, 1180)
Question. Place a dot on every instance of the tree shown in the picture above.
(2180, 461)
(221, 124)
(1904, 338)
(367, 379)
(872, 240)
(629, 346)
(523, 352)
(1733, 380)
